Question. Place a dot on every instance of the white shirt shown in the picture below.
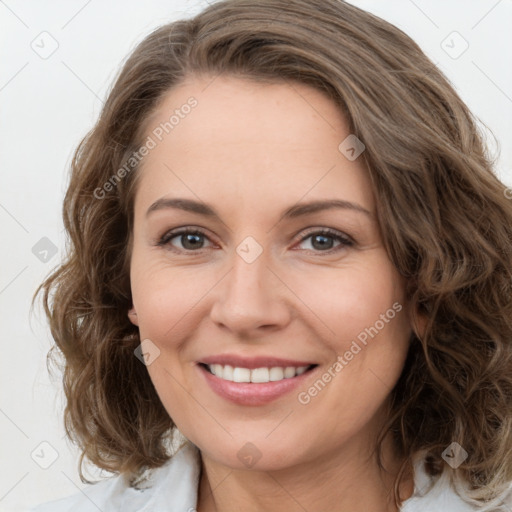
(174, 487)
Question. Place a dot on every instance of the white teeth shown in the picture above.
(240, 375)
(257, 375)
(276, 373)
(260, 375)
(216, 369)
(227, 373)
(289, 372)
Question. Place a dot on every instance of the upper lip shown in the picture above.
(253, 362)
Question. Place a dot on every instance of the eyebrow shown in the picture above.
(297, 210)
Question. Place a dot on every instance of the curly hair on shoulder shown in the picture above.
(445, 217)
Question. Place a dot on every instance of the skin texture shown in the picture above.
(251, 151)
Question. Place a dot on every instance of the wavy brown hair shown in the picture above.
(444, 215)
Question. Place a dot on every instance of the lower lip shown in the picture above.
(247, 393)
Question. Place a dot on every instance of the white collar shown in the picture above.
(174, 487)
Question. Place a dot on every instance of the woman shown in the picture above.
(289, 247)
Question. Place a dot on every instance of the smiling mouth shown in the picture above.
(256, 375)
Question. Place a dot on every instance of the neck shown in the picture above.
(342, 480)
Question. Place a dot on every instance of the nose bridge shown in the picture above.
(250, 294)
(249, 275)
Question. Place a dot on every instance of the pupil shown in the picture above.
(189, 239)
(322, 244)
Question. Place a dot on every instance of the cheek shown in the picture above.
(349, 301)
(366, 314)
(165, 298)
(363, 311)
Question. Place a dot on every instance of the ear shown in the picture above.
(132, 315)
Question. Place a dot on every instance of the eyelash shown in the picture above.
(345, 240)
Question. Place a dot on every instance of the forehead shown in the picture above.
(249, 141)
(242, 110)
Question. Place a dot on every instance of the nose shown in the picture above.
(251, 299)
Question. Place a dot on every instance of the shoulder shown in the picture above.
(434, 495)
(172, 486)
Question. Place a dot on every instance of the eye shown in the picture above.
(190, 239)
(322, 240)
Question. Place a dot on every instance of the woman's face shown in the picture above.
(257, 285)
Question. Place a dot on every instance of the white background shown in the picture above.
(47, 106)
